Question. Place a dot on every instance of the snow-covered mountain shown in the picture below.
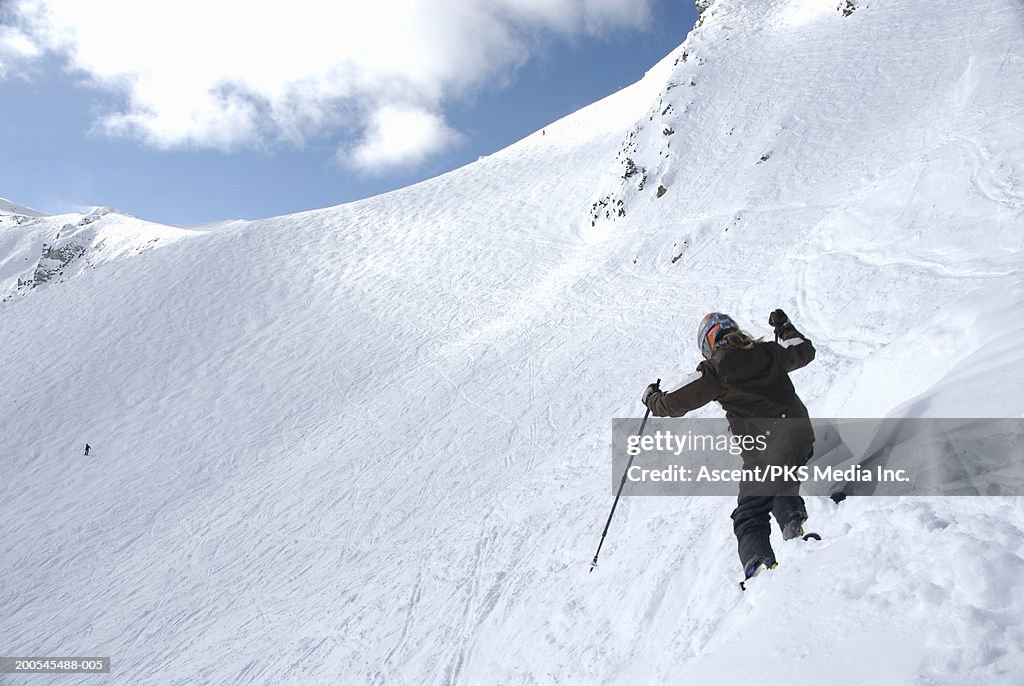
(8, 207)
(370, 443)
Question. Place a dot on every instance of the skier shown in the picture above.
(87, 449)
(750, 380)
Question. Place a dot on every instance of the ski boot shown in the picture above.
(795, 529)
(754, 567)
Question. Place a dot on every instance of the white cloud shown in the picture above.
(226, 74)
(16, 50)
(397, 136)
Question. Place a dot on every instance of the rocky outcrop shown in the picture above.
(56, 258)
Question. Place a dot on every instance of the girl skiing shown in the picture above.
(750, 380)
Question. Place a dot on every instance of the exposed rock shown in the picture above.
(703, 5)
(55, 258)
(631, 169)
(605, 208)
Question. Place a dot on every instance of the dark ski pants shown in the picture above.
(758, 502)
(752, 525)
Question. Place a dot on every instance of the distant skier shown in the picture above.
(87, 449)
(750, 380)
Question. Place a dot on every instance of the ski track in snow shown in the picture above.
(368, 444)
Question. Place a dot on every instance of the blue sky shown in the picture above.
(75, 135)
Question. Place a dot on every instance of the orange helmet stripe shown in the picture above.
(711, 336)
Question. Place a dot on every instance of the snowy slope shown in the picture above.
(37, 250)
(8, 207)
(369, 444)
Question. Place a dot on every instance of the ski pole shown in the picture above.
(621, 484)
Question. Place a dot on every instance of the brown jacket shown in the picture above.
(749, 384)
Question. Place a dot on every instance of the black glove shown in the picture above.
(778, 319)
(649, 391)
(784, 329)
